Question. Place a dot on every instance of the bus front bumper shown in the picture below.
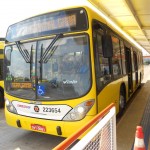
(53, 127)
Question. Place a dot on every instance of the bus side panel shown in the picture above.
(125, 81)
(110, 94)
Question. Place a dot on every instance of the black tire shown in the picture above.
(122, 101)
(1, 99)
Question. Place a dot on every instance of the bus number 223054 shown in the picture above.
(51, 110)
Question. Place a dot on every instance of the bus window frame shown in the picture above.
(109, 31)
(96, 53)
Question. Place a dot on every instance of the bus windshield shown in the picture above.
(63, 73)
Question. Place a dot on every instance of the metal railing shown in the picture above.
(101, 137)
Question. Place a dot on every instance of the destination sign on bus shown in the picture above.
(52, 23)
(25, 85)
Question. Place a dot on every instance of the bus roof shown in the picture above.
(85, 3)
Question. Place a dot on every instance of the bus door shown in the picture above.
(129, 70)
(135, 68)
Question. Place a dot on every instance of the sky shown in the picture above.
(12, 11)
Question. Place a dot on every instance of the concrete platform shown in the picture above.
(134, 116)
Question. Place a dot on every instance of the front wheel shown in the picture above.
(122, 102)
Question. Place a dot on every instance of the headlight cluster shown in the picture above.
(10, 106)
(79, 112)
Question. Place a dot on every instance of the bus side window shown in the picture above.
(116, 59)
(101, 63)
(123, 58)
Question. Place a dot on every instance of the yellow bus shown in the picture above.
(64, 67)
(1, 72)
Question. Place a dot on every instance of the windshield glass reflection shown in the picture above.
(64, 73)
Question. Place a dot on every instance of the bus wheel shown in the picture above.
(122, 102)
(1, 99)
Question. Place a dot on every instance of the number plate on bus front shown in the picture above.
(38, 127)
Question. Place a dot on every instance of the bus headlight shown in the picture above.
(10, 106)
(79, 112)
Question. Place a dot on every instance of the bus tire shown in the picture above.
(1, 99)
(122, 101)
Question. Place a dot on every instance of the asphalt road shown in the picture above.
(18, 139)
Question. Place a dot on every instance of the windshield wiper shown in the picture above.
(24, 52)
(31, 60)
(50, 54)
(41, 64)
(44, 56)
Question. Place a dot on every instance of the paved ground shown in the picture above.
(18, 139)
(127, 125)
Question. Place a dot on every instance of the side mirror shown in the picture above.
(107, 46)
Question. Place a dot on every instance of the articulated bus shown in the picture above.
(63, 67)
(2, 43)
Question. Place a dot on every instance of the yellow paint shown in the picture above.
(2, 43)
(110, 93)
